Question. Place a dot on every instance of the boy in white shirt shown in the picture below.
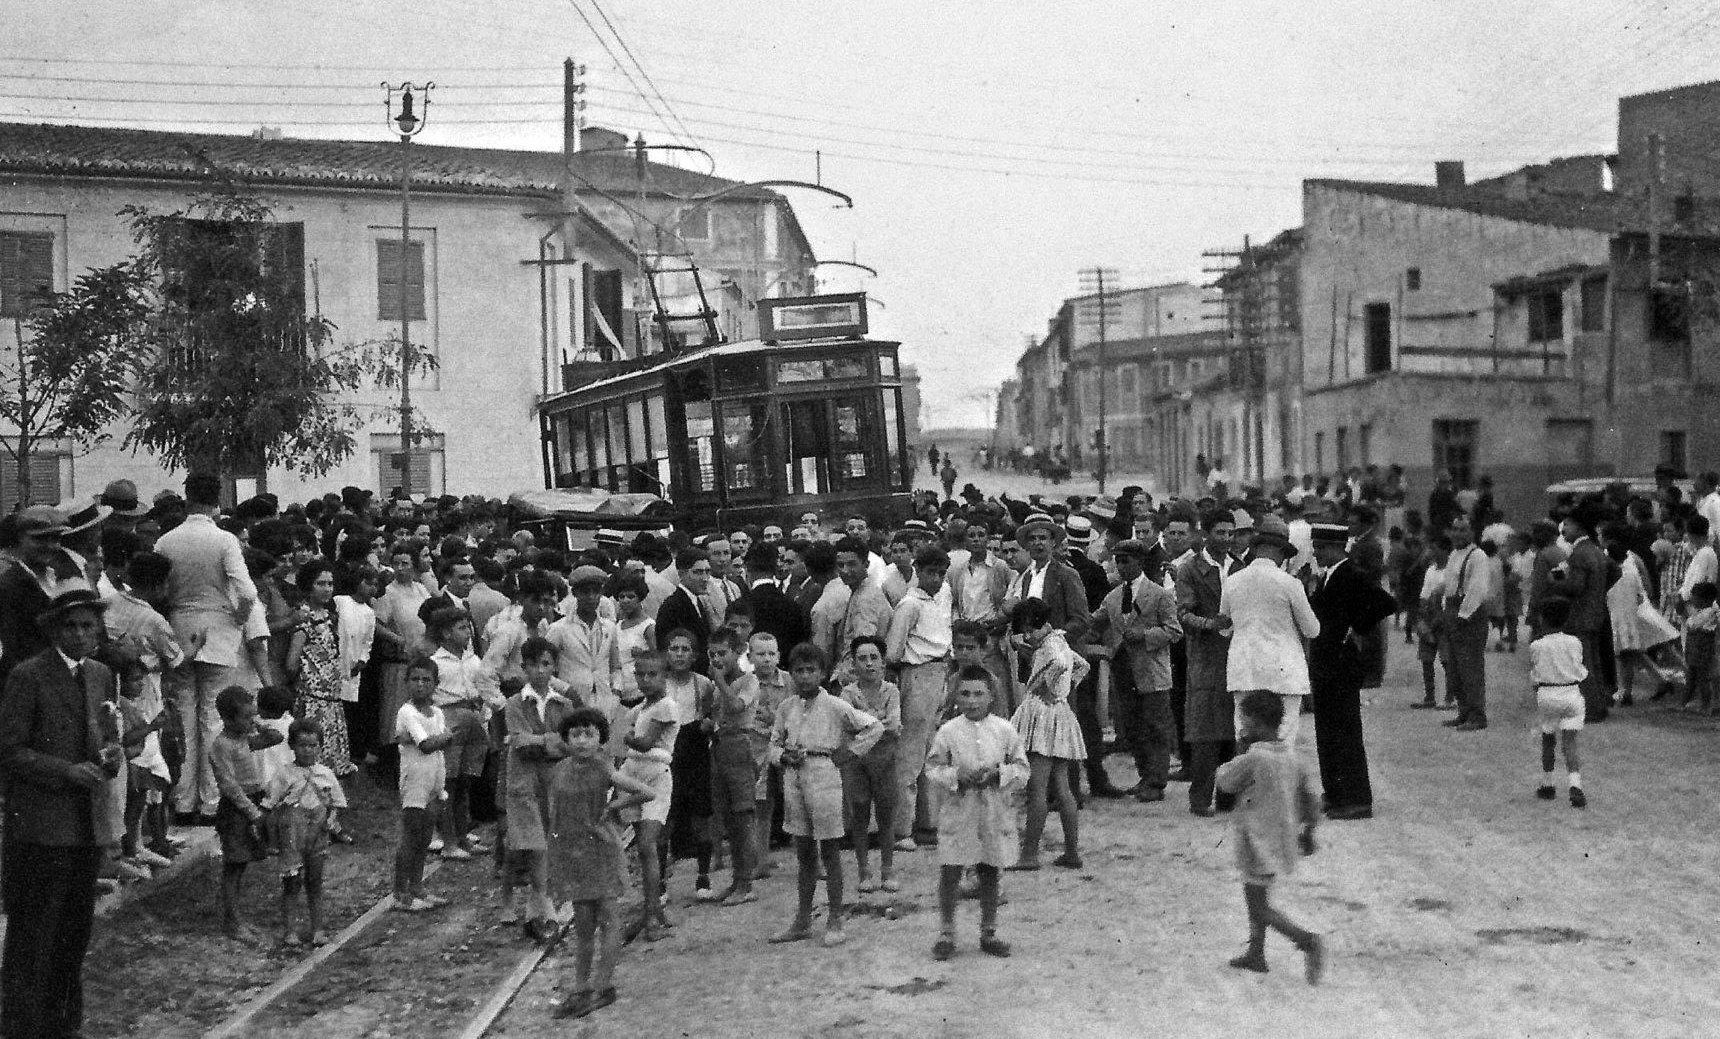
(1556, 669)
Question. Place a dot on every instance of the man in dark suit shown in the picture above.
(772, 611)
(1347, 604)
(24, 588)
(457, 575)
(59, 747)
(1583, 580)
(685, 607)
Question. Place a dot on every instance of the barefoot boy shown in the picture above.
(652, 725)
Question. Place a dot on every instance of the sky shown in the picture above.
(992, 149)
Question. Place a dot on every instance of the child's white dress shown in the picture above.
(976, 826)
(1049, 728)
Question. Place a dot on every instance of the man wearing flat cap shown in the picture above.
(1349, 606)
(43, 571)
(59, 748)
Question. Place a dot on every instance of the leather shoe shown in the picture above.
(1150, 794)
(1349, 812)
(1204, 813)
(1472, 726)
(1108, 791)
(1178, 776)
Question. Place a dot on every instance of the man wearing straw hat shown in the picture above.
(1269, 618)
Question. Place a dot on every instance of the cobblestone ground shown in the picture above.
(1465, 908)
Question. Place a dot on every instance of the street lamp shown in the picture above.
(408, 124)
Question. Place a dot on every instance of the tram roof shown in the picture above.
(707, 353)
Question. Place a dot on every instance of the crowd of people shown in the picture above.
(827, 686)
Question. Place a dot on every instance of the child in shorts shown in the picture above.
(772, 685)
(868, 782)
(421, 732)
(652, 725)
(1556, 671)
(734, 777)
(1278, 802)
(810, 727)
(1429, 617)
(304, 800)
(239, 818)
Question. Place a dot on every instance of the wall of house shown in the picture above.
(483, 318)
(1687, 119)
(1358, 251)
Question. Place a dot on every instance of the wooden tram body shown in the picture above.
(807, 418)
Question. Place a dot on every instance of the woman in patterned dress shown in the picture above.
(313, 661)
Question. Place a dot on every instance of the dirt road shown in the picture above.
(1465, 908)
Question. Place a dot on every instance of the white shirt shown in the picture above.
(1704, 566)
(1709, 508)
(1034, 579)
(1467, 574)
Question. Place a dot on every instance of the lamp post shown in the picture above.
(408, 124)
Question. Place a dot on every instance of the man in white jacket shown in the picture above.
(1270, 620)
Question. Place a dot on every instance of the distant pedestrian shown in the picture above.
(1278, 805)
(932, 457)
(1557, 671)
(948, 477)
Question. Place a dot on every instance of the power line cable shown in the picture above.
(598, 7)
(607, 49)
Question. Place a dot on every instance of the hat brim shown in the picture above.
(52, 614)
(137, 510)
(1269, 537)
(102, 513)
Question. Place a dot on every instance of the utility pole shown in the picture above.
(409, 124)
(1099, 281)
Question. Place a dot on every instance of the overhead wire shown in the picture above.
(607, 49)
(598, 7)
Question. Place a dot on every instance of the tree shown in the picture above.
(241, 378)
(79, 354)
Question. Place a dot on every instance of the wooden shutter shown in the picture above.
(44, 476)
(388, 280)
(26, 271)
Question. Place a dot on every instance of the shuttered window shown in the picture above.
(429, 473)
(388, 280)
(26, 271)
(44, 479)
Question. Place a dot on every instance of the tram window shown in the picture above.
(743, 456)
(887, 366)
(800, 371)
(617, 446)
(806, 467)
(738, 375)
(850, 446)
(658, 433)
(845, 368)
(701, 428)
(578, 459)
(599, 442)
(562, 426)
(636, 452)
(893, 437)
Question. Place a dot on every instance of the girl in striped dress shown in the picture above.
(1048, 730)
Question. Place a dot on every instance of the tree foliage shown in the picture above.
(79, 354)
(241, 378)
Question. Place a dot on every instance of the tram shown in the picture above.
(806, 418)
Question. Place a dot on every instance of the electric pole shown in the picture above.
(1099, 282)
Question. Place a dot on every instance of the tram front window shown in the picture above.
(807, 459)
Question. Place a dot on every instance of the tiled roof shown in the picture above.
(56, 149)
(1598, 212)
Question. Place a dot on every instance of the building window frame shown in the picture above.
(1455, 444)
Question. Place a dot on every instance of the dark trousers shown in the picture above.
(1179, 698)
(1204, 758)
(1597, 694)
(1144, 725)
(1338, 737)
(1466, 675)
(1085, 703)
(50, 899)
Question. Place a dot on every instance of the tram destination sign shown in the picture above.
(836, 316)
